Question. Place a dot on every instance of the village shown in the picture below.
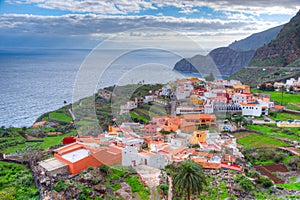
(192, 130)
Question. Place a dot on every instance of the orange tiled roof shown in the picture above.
(245, 104)
(278, 107)
(107, 157)
(199, 116)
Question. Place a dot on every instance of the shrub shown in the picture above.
(60, 185)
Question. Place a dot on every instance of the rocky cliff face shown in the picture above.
(284, 50)
(256, 40)
(226, 60)
(230, 61)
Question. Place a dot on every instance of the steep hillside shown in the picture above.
(284, 50)
(256, 40)
(227, 61)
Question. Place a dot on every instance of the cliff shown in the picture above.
(225, 59)
(284, 50)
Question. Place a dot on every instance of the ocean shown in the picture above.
(35, 81)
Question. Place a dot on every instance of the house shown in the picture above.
(53, 166)
(148, 99)
(189, 110)
(277, 108)
(166, 91)
(159, 120)
(197, 100)
(125, 108)
(77, 156)
(198, 136)
(241, 88)
(131, 157)
(150, 129)
(201, 119)
(178, 142)
(253, 109)
(184, 89)
(109, 156)
(183, 93)
(187, 127)
(105, 94)
(227, 108)
(172, 124)
(239, 97)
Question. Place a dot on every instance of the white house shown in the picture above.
(125, 108)
(131, 157)
(238, 98)
(254, 109)
(189, 110)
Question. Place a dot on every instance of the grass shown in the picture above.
(290, 186)
(137, 187)
(16, 182)
(59, 116)
(139, 117)
(48, 142)
(259, 141)
(285, 116)
(277, 132)
(288, 99)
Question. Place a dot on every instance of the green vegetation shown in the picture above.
(269, 62)
(284, 116)
(244, 182)
(255, 76)
(188, 178)
(291, 101)
(47, 143)
(259, 141)
(265, 156)
(137, 187)
(139, 118)
(276, 132)
(290, 186)
(16, 182)
(62, 117)
(287, 99)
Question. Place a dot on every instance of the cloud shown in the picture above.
(255, 7)
(86, 24)
(209, 32)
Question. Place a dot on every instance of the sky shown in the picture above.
(210, 23)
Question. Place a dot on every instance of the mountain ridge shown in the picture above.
(230, 59)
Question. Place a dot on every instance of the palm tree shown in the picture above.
(189, 178)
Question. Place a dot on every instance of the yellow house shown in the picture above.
(196, 100)
(241, 88)
(198, 136)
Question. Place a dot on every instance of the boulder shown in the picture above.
(122, 194)
(126, 187)
(54, 195)
(100, 188)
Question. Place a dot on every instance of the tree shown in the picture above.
(210, 77)
(189, 178)
(238, 119)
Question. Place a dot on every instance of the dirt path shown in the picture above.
(151, 178)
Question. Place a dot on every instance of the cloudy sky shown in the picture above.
(211, 23)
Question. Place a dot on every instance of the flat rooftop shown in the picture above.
(76, 155)
(52, 164)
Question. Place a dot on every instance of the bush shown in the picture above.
(165, 188)
(245, 183)
(60, 185)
